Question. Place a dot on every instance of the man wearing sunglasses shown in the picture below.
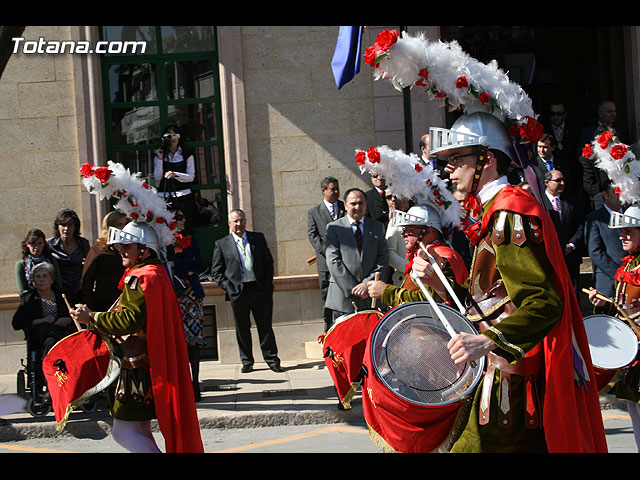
(531, 399)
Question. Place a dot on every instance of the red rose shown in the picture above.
(370, 56)
(484, 98)
(160, 220)
(87, 170)
(361, 157)
(386, 39)
(514, 130)
(462, 82)
(417, 167)
(134, 215)
(587, 151)
(604, 138)
(531, 130)
(425, 78)
(441, 95)
(618, 191)
(618, 151)
(102, 174)
(373, 154)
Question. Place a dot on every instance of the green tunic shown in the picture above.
(131, 318)
(528, 277)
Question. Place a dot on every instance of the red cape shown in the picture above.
(169, 364)
(571, 413)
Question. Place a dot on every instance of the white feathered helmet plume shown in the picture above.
(623, 169)
(133, 196)
(406, 177)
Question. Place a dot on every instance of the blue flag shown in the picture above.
(346, 57)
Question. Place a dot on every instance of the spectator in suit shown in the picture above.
(603, 243)
(568, 219)
(377, 207)
(356, 250)
(429, 159)
(331, 208)
(243, 267)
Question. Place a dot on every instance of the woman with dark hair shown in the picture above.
(174, 168)
(70, 250)
(185, 259)
(103, 268)
(34, 251)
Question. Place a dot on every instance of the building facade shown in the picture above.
(259, 106)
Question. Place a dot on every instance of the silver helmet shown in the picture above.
(422, 215)
(630, 218)
(134, 232)
(475, 129)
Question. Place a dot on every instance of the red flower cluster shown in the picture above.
(181, 242)
(102, 173)
(384, 41)
(618, 151)
(425, 78)
(372, 154)
(587, 151)
(462, 82)
(530, 130)
(604, 138)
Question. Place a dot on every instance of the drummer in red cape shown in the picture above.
(627, 288)
(161, 387)
(421, 226)
(538, 393)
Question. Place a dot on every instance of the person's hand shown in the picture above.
(598, 302)
(375, 288)
(169, 175)
(81, 314)
(425, 272)
(360, 290)
(465, 347)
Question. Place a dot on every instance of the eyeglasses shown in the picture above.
(556, 114)
(558, 180)
(455, 160)
(410, 231)
(178, 217)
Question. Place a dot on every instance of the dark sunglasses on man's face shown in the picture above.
(556, 114)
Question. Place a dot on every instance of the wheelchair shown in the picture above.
(31, 384)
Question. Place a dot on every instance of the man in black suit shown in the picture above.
(603, 243)
(331, 208)
(243, 267)
(377, 207)
(568, 219)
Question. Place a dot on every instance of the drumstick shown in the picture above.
(78, 326)
(443, 279)
(373, 300)
(631, 323)
(435, 307)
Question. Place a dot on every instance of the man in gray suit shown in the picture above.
(331, 208)
(355, 250)
(603, 243)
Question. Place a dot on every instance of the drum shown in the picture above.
(612, 344)
(343, 348)
(414, 392)
(76, 368)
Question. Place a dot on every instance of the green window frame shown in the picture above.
(175, 81)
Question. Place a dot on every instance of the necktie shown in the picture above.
(334, 214)
(556, 204)
(247, 261)
(358, 235)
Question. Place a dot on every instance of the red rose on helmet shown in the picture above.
(587, 151)
(86, 170)
(102, 174)
(370, 56)
(618, 151)
(484, 98)
(361, 158)
(373, 154)
(603, 139)
(531, 130)
(386, 39)
(462, 82)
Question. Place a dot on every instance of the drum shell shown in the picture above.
(76, 368)
(344, 348)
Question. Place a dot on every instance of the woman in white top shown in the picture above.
(174, 168)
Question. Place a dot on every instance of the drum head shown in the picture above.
(612, 343)
(410, 356)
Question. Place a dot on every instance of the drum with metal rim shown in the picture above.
(612, 343)
(414, 391)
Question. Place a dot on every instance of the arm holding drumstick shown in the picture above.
(599, 300)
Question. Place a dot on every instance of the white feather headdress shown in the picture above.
(620, 163)
(133, 196)
(407, 177)
(449, 75)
